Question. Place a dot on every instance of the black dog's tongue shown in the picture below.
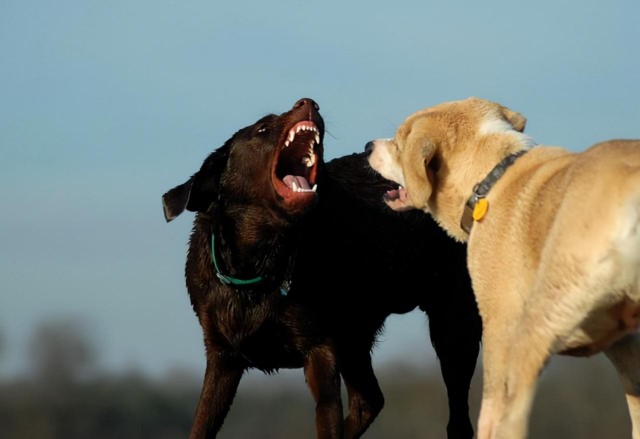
(296, 181)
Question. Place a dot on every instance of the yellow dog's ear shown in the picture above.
(517, 120)
(418, 174)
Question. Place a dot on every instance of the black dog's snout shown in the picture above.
(368, 147)
(306, 102)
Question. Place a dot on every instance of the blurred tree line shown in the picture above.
(66, 395)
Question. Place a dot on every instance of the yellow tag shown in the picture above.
(480, 209)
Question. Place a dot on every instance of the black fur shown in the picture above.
(361, 261)
(350, 260)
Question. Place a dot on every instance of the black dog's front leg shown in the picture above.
(323, 378)
(221, 380)
(457, 345)
(365, 397)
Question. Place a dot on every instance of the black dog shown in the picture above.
(248, 195)
(360, 262)
(283, 277)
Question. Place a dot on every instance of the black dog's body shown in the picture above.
(361, 262)
(249, 194)
(265, 237)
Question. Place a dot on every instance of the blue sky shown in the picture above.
(106, 105)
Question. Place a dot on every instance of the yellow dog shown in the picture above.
(553, 243)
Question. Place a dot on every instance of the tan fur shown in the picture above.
(555, 262)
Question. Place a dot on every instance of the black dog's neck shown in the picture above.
(250, 254)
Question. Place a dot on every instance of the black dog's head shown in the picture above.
(273, 162)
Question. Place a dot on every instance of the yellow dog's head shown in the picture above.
(439, 153)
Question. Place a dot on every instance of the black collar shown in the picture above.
(477, 204)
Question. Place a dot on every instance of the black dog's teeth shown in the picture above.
(307, 128)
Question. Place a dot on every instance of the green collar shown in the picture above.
(228, 280)
(477, 205)
(285, 286)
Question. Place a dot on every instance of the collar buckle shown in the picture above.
(477, 205)
(466, 222)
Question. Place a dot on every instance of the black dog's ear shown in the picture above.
(197, 193)
(175, 201)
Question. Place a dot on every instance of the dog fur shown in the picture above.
(555, 261)
(361, 262)
(247, 199)
(343, 284)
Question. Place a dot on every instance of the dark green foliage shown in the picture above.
(577, 398)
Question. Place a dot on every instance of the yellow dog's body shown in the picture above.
(555, 260)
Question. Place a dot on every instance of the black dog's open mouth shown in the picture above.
(389, 190)
(296, 163)
(395, 193)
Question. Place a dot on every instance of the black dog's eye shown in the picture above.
(263, 129)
